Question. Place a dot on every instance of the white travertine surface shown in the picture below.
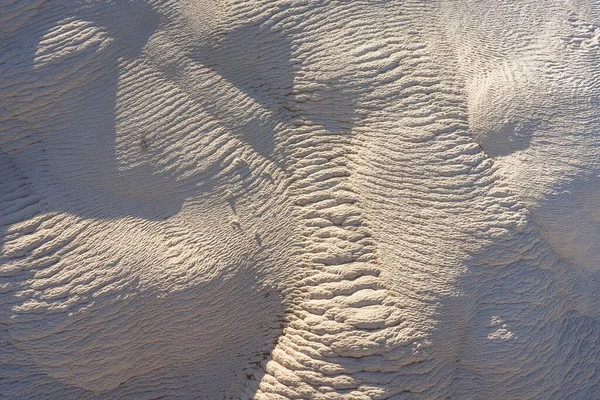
(276, 199)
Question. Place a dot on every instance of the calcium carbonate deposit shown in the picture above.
(300, 199)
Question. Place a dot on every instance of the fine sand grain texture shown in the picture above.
(277, 199)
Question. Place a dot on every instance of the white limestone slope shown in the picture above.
(280, 199)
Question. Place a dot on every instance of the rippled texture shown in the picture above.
(299, 199)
